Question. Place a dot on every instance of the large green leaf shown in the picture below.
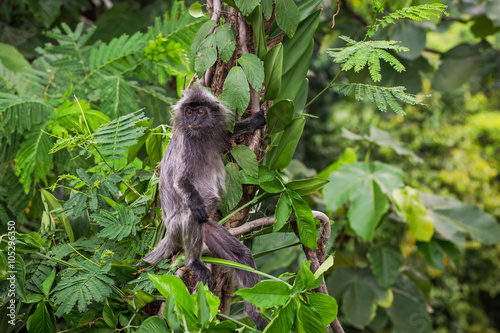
(452, 218)
(273, 69)
(246, 6)
(259, 34)
(385, 261)
(246, 160)
(42, 320)
(224, 38)
(308, 319)
(287, 16)
(280, 115)
(413, 211)
(283, 321)
(281, 155)
(153, 324)
(266, 294)
(253, 69)
(365, 185)
(236, 92)
(305, 220)
(307, 186)
(408, 312)
(325, 305)
(234, 192)
(283, 211)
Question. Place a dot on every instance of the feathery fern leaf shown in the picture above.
(358, 55)
(416, 13)
(117, 96)
(89, 284)
(114, 137)
(33, 158)
(381, 96)
(20, 113)
(117, 226)
(27, 81)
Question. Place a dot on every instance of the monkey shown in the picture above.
(191, 186)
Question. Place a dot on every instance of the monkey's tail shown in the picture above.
(225, 246)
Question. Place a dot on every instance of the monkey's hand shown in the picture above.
(197, 206)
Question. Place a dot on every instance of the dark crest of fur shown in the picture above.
(192, 183)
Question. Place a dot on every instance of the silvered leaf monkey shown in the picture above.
(192, 182)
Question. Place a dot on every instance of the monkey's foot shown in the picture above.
(203, 273)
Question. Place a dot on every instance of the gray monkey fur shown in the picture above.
(192, 183)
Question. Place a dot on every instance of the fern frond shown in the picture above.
(381, 96)
(415, 13)
(358, 55)
(20, 113)
(114, 137)
(27, 81)
(117, 96)
(117, 226)
(87, 285)
(33, 158)
(177, 25)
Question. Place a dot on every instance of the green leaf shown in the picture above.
(246, 7)
(273, 69)
(325, 305)
(293, 81)
(287, 16)
(435, 250)
(20, 275)
(246, 160)
(266, 294)
(281, 155)
(236, 94)
(108, 315)
(167, 284)
(48, 282)
(195, 10)
(307, 186)
(201, 34)
(234, 191)
(280, 115)
(207, 55)
(413, 211)
(224, 38)
(153, 324)
(42, 320)
(33, 158)
(452, 218)
(169, 312)
(12, 59)
(29, 243)
(53, 204)
(283, 321)
(203, 308)
(304, 279)
(308, 319)
(283, 211)
(385, 261)
(141, 298)
(324, 266)
(358, 304)
(253, 69)
(364, 185)
(259, 34)
(118, 226)
(408, 312)
(305, 220)
(265, 175)
(117, 97)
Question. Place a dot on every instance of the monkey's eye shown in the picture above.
(188, 112)
(201, 112)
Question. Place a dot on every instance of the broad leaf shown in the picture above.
(305, 220)
(385, 261)
(283, 321)
(325, 305)
(253, 69)
(42, 320)
(283, 211)
(236, 94)
(304, 280)
(281, 155)
(234, 192)
(307, 186)
(246, 160)
(280, 115)
(308, 319)
(452, 218)
(266, 294)
(224, 38)
(413, 211)
(246, 6)
(365, 186)
(153, 324)
(287, 16)
(273, 69)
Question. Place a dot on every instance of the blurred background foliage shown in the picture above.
(453, 62)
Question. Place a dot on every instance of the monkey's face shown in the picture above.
(197, 117)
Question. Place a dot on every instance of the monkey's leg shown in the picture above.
(164, 250)
(223, 245)
(193, 247)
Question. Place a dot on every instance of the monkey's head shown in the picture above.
(199, 113)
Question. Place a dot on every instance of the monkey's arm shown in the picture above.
(193, 198)
(250, 124)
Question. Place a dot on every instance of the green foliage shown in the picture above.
(119, 226)
(358, 55)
